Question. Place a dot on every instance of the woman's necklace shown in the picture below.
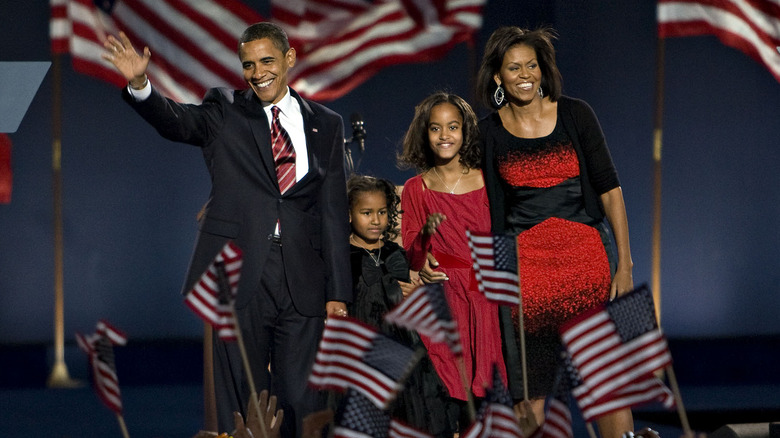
(370, 254)
(451, 190)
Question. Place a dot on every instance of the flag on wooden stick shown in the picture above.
(496, 417)
(399, 429)
(355, 355)
(615, 350)
(495, 266)
(426, 310)
(212, 296)
(99, 347)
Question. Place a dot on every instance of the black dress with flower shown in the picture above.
(375, 278)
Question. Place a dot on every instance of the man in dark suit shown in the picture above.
(278, 191)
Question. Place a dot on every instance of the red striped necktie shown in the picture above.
(284, 154)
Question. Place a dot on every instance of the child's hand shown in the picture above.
(433, 222)
(407, 288)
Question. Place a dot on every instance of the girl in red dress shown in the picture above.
(445, 199)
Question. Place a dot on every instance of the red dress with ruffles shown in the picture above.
(476, 317)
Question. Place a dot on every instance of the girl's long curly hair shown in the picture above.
(417, 151)
(358, 184)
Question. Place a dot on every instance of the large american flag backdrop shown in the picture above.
(339, 43)
(752, 26)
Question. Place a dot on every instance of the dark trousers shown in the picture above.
(274, 334)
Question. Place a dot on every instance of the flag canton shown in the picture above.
(633, 314)
(505, 253)
(388, 356)
(223, 292)
(563, 382)
(441, 308)
(570, 375)
(358, 413)
(498, 394)
(105, 5)
(104, 351)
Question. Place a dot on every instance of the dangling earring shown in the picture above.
(541, 93)
(498, 95)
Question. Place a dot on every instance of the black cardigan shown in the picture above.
(597, 172)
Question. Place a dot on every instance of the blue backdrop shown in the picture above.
(130, 198)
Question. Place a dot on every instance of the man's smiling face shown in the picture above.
(265, 68)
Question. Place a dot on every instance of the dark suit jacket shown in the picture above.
(233, 132)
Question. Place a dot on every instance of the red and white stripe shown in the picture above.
(106, 384)
(642, 391)
(113, 334)
(399, 429)
(383, 34)
(416, 313)
(501, 422)
(752, 26)
(557, 421)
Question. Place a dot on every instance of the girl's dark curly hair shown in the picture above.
(417, 152)
(358, 184)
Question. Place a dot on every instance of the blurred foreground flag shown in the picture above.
(614, 351)
(426, 311)
(99, 347)
(495, 266)
(212, 296)
(752, 26)
(355, 355)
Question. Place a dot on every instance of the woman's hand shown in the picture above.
(622, 283)
(427, 273)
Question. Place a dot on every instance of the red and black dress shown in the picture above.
(562, 250)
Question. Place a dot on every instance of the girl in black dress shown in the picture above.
(380, 279)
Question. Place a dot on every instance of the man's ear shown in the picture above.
(290, 57)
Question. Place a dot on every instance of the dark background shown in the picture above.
(130, 198)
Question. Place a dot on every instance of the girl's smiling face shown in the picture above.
(445, 132)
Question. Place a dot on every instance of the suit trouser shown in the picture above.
(274, 333)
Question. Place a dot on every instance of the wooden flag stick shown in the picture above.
(591, 432)
(467, 387)
(122, 425)
(521, 329)
(678, 401)
(224, 288)
(248, 371)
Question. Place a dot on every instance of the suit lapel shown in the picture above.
(261, 131)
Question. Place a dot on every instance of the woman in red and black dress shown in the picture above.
(550, 180)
